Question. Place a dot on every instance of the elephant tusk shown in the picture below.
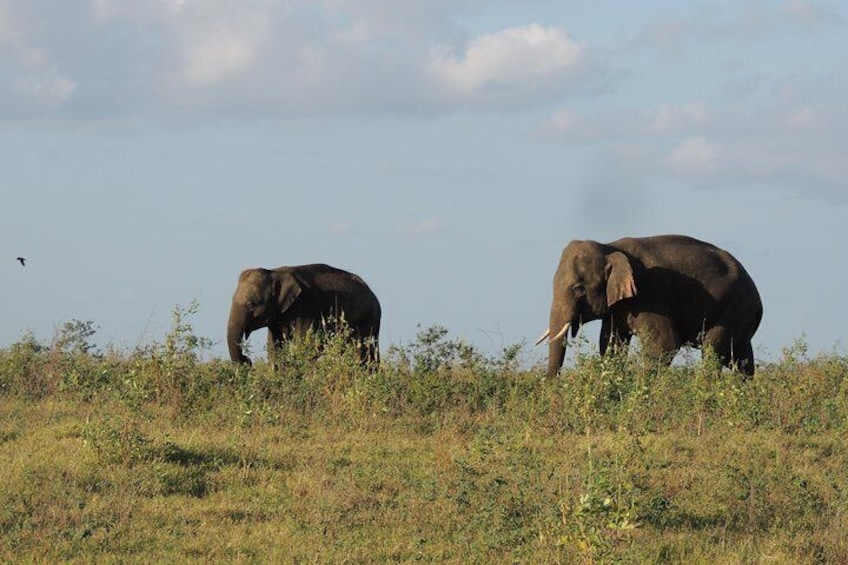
(562, 332)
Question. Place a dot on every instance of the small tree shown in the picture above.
(74, 337)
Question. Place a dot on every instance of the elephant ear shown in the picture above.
(286, 289)
(619, 273)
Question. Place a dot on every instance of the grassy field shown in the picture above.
(442, 455)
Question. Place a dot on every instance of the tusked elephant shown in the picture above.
(291, 300)
(669, 290)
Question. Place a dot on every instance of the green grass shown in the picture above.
(442, 455)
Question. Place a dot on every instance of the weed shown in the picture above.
(118, 442)
(604, 514)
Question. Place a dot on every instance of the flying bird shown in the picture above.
(22, 260)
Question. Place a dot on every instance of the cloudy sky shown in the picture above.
(445, 150)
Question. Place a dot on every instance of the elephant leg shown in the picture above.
(374, 352)
(605, 339)
(615, 337)
(657, 334)
(730, 337)
(743, 355)
(370, 352)
(622, 340)
(301, 327)
(359, 339)
(735, 354)
(310, 332)
(366, 347)
(275, 339)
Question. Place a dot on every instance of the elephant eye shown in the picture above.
(250, 305)
(579, 290)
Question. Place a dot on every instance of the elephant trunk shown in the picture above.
(236, 331)
(558, 331)
(556, 355)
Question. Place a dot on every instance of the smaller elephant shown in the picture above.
(290, 301)
(670, 290)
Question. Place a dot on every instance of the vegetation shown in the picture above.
(441, 455)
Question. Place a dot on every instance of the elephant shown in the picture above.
(669, 290)
(289, 301)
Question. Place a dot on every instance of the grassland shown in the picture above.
(442, 455)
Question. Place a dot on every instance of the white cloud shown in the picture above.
(340, 229)
(811, 13)
(50, 89)
(804, 118)
(791, 141)
(747, 21)
(216, 54)
(33, 81)
(694, 156)
(346, 229)
(568, 125)
(776, 118)
(618, 123)
(671, 119)
(157, 59)
(425, 227)
(151, 14)
(215, 44)
(514, 58)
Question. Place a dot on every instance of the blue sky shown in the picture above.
(445, 150)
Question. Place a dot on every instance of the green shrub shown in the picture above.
(604, 513)
(118, 442)
(431, 377)
(23, 369)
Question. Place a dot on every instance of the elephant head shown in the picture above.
(261, 299)
(589, 280)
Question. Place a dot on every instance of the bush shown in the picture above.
(23, 369)
(436, 377)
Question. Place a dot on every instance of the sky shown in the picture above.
(444, 150)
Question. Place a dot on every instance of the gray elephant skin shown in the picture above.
(669, 290)
(292, 300)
